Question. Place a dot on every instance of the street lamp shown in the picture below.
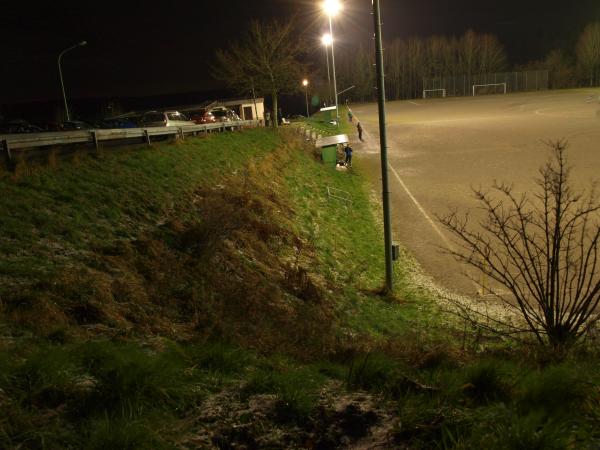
(387, 215)
(80, 44)
(305, 84)
(327, 41)
(332, 8)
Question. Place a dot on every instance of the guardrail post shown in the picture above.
(147, 136)
(6, 148)
(95, 139)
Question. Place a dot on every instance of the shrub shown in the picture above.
(484, 382)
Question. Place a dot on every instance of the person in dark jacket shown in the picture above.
(348, 152)
(360, 131)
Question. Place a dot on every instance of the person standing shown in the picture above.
(349, 115)
(360, 131)
(348, 152)
(267, 118)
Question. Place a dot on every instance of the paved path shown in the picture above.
(440, 149)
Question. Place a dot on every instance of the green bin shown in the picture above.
(328, 114)
(329, 154)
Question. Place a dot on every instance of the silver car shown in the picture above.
(164, 119)
(224, 114)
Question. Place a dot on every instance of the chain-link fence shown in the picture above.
(465, 85)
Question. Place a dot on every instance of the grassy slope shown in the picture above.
(54, 217)
(105, 394)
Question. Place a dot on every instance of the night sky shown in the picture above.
(138, 48)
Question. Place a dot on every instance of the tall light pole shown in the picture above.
(81, 44)
(387, 222)
(327, 40)
(305, 84)
(331, 8)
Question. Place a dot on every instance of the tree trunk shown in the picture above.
(275, 114)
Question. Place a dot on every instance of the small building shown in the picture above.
(247, 109)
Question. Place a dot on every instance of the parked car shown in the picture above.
(19, 126)
(49, 126)
(203, 116)
(74, 125)
(117, 122)
(224, 114)
(164, 119)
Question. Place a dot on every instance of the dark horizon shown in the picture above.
(144, 49)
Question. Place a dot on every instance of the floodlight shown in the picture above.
(304, 82)
(326, 40)
(332, 7)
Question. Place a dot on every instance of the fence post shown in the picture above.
(95, 139)
(7, 152)
(147, 136)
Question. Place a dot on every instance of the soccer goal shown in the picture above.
(486, 89)
(425, 91)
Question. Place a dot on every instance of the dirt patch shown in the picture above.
(356, 420)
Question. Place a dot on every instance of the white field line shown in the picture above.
(414, 103)
(369, 142)
(372, 149)
(422, 210)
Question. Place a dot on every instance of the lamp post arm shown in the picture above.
(62, 83)
(346, 90)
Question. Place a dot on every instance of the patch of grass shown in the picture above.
(53, 216)
(555, 390)
(296, 390)
(123, 434)
(217, 357)
(499, 427)
(103, 394)
(348, 239)
(375, 372)
(485, 382)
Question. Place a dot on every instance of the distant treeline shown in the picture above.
(409, 61)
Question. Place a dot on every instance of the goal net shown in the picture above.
(489, 89)
(434, 93)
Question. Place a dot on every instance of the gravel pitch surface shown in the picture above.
(440, 149)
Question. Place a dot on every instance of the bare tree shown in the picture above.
(588, 52)
(544, 250)
(492, 55)
(267, 57)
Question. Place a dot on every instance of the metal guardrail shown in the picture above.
(16, 142)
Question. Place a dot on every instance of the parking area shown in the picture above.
(440, 149)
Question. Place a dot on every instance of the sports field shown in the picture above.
(439, 149)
